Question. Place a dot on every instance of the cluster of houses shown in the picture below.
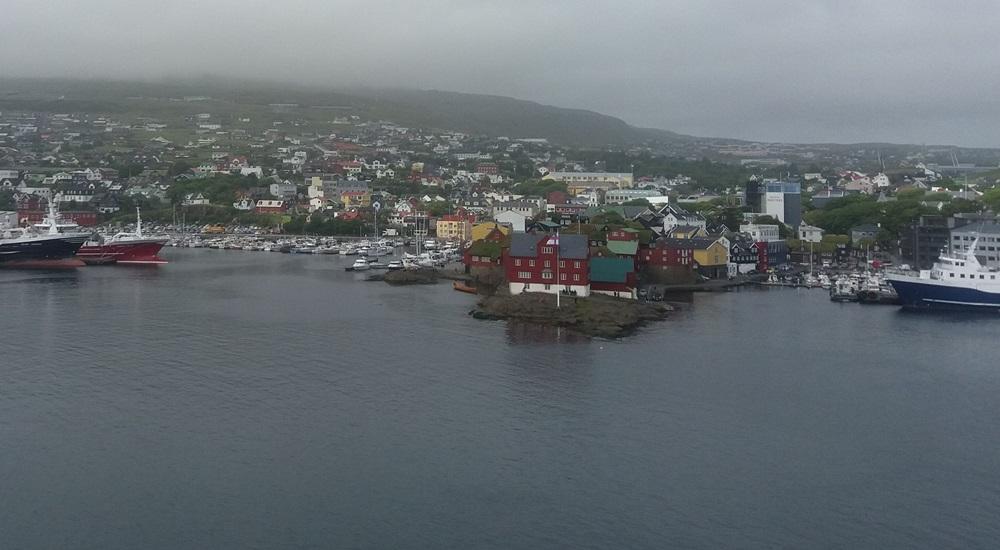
(612, 248)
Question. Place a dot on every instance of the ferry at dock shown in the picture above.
(956, 281)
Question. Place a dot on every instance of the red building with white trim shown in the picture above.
(666, 252)
(533, 264)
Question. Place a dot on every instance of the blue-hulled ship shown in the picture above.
(956, 281)
(33, 248)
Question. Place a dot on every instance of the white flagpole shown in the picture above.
(558, 281)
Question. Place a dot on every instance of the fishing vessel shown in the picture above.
(126, 247)
(956, 281)
(844, 289)
(34, 248)
(877, 290)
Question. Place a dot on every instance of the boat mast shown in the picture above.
(138, 223)
(53, 230)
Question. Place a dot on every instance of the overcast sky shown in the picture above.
(805, 70)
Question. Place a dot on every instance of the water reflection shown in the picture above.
(521, 333)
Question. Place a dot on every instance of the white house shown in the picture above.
(761, 232)
(244, 204)
(810, 233)
(675, 216)
(880, 181)
(195, 199)
(517, 220)
(284, 190)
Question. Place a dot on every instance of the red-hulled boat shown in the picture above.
(124, 248)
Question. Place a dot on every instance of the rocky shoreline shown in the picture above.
(597, 315)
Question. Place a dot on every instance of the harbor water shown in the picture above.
(236, 400)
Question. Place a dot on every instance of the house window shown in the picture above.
(562, 263)
(562, 276)
(531, 263)
(524, 274)
(548, 287)
(576, 265)
(548, 263)
(547, 275)
(576, 276)
(517, 262)
(546, 250)
(951, 275)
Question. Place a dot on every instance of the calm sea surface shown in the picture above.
(236, 400)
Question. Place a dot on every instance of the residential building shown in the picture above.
(487, 251)
(761, 232)
(454, 226)
(529, 209)
(771, 254)
(614, 277)
(810, 233)
(668, 253)
(354, 198)
(538, 262)
(674, 216)
(516, 220)
(687, 232)
(195, 199)
(624, 243)
(743, 255)
(284, 190)
(270, 207)
(711, 254)
(481, 230)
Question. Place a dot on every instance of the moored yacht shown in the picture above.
(360, 264)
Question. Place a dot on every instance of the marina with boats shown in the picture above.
(955, 281)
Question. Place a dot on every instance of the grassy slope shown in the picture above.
(470, 113)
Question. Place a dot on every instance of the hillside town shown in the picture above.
(543, 217)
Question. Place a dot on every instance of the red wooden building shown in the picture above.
(548, 263)
(666, 252)
(486, 252)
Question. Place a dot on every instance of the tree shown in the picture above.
(7, 200)
(179, 167)
(438, 208)
(991, 199)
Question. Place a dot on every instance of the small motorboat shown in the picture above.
(462, 286)
(360, 264)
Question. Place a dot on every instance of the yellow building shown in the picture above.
(355, 198)
(454, 229)
(576, 182)
(687, 232)
(712, 256)
(481, 230)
